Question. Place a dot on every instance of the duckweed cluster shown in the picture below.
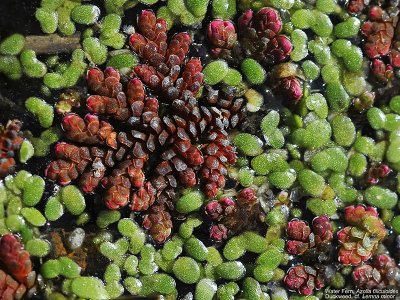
(16, 61)
(20, 197)
(185, 259)
(315, 140)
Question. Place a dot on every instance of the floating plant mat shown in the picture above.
(209, 149)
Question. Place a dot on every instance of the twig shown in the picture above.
(53, 43)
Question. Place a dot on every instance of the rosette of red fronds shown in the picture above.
(291, 88)
(125, 152)
(10, 142)
(158, 221)
(360, 241)
(379, 37)
(322, 229)
(218, 232)
(16, 260)
(380, 273)
(9, 288)
(258, 36)
(302, 238)
(376, 172)
(176, 169)
(217, 154)
(355, 214)
(298, 232)
(222, 35)
(217, 209)
(267, 22)
(247, 197)
(164, 68)
(381, 41)
(231, 215)
(303, 279)
(72, 161)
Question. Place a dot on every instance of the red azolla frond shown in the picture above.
(89, 130)
(129, 174)
(218, 153)
(178, 48)
(379, 38)
(222, 34)
(152, 28)
(298, 230)
(188, 177)
(303, 279)
(175, 169)
(245, 20)
(15, 258)
(231, 109)
(267, 22)
(150, 43)
(218, 232)
(378, 171)
(298, 233)
(361, 240)
(135, 92)
(246, 196)
(117, 150)
(322, 229)
(10, 289)
(193, 156)
(73, 161)
(354, 214)
(301, 237)
(130, 148)
(258, 37)
(291, 88)
(105, 83)
(233, 215)
(214, 210)
(158, 221)
(192, 76)
(352, 257)
(297, 247)
(382, 72)
(10, 142)
(149, 75)
(279, 49)
(164, 69)
(144, 197)
(108, 106)
(379, 273)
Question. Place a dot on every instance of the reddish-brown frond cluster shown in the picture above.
(177, 134)
(16, 273)
(10, 142)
